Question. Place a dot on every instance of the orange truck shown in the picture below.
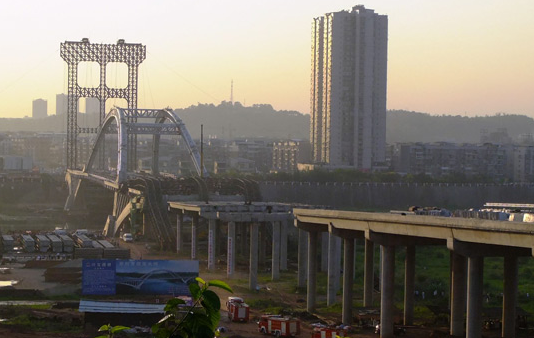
(279, 326)
(238, 310)
(328, 332)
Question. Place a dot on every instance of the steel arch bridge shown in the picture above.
(124, 183)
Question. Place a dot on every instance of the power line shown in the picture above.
(38, 65)
(185, 79)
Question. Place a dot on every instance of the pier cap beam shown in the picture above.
(469, 249)
(311, 227)
(400, 240)
(344, 233)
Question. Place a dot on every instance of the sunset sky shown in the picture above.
(445, 57)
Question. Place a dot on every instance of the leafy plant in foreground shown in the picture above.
(111, 330)
(199, 320)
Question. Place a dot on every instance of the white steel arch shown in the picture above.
(130, 121)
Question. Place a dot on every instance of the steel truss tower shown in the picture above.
(74, 52)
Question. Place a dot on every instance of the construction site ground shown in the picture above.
(273, 296)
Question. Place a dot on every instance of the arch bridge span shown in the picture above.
(146, 192)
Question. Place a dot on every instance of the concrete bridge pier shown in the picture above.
(312, 269)
(253, 260)
(283, 245)
(409, 284)
(212, 233)
(334, 260)
(194, 226)
(475, 253)
(387, 291)
(458, 294)
(230, 254)
(245, 244)
(262, 244)
(179, 231)
(475, 268)
(349, 240)
(509, 301)
(348, 280)
(368, 276)
(275, 265)
(324, 251)
(302, 258)
(337, 280)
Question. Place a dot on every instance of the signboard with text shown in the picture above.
(153, 277)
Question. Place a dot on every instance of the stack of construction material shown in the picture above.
(57, 245)
(43, 243)
(68, 243)
(116, 253)
(28, 243)
(105, 244)
(112, 252)
(97, 245)
(83, 241)
(8, 243)
(88, 253)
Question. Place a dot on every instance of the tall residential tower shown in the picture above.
(348, 88)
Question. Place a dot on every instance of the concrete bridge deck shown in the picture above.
(469, 241)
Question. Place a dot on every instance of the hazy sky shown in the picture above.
(471, 57)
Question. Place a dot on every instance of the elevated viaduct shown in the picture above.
(469, 241)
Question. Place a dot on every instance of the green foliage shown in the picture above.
(200, 320)
(111, 330)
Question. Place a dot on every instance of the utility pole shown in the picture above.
(202, 150)
(232, 92)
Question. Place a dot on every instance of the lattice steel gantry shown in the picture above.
(74, 52)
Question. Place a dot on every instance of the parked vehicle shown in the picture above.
(323, 331)
(238, 310)
(279, 326)
(127, 237)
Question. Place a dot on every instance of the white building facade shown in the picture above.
(348, 88)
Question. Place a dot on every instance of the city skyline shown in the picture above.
(444, 58)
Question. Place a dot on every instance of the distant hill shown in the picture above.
(223, 121)
(406, 126)
(228, 120)
(234, 121)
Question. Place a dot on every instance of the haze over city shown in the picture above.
(467, 58)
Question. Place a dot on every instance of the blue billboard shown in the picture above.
(149, 277)
(98, 277)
